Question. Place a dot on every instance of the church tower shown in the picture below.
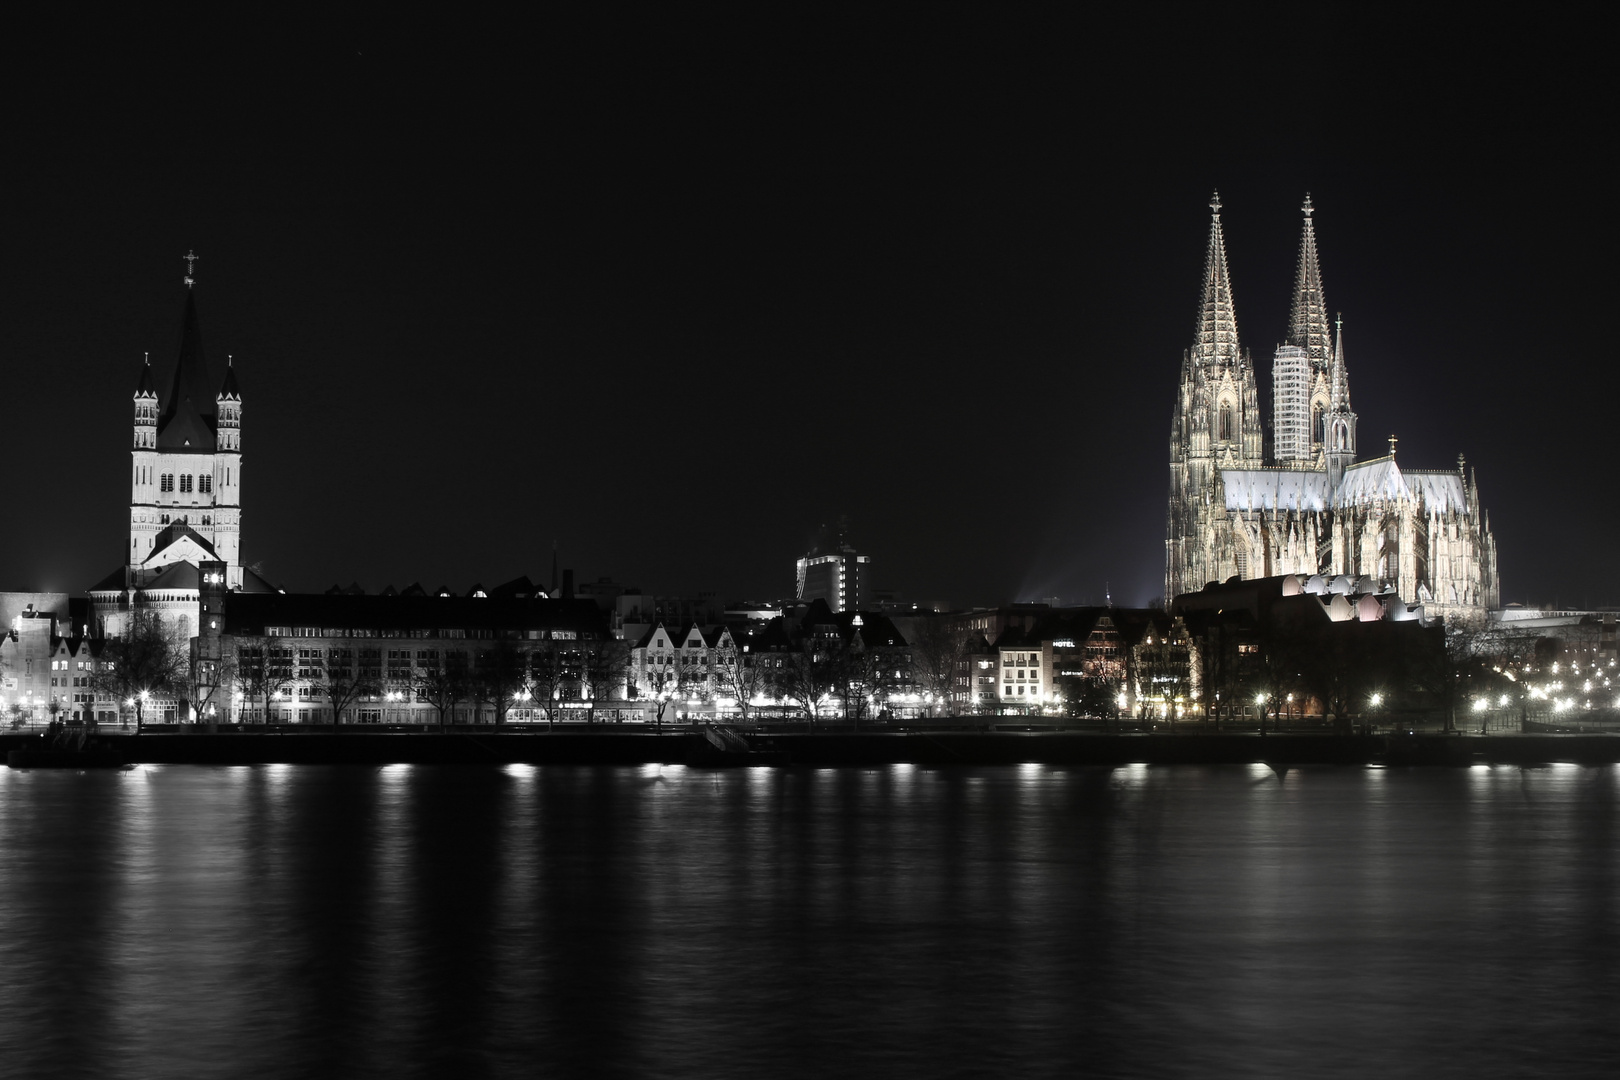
(1216, 425)
(185, 494)
(1301, 379)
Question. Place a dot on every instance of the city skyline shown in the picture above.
(677, 322)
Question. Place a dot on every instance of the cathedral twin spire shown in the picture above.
(1308, 321)
(1217, 340)
(1318, 386)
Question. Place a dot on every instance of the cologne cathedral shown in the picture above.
(1245, 506)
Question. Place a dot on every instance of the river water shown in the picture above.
(666, 921)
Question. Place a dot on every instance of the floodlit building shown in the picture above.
(185, 503)
(835, 572)
(1311, 508)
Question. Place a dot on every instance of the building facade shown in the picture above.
(185, 503)
(1308, 507)
(836, 572)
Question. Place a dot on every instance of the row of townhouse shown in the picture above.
(814, 660)
(47, 672)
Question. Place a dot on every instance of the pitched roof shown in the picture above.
(228, 388)
(187, 419)
(875, 628)
(112, 582)
(180, 575)
(173, 532)
(144, 388)
(518, 586)
(1363, 482)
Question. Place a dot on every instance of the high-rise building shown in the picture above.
(1312, 508)
(835, 572)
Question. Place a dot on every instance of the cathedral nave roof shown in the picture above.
(1275, 489)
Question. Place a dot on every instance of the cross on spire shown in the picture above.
(191, 258)
(1392, 441)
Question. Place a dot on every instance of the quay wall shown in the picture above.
(941, 749)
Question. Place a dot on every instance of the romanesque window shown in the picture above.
(185, 483)
(205, 484)
(167, 482)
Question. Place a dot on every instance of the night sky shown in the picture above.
(672, 292)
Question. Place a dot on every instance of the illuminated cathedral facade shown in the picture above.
(1305, 505)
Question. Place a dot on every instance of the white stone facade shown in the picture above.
(1311, 508)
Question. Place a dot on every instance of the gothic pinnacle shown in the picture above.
(1217, 339)
(1308, 322)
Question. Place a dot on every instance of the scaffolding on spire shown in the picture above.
(1308, 321)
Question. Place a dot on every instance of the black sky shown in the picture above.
(673, 291)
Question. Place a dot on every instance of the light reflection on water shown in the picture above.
(667, 921)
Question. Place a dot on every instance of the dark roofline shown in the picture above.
(249, 614)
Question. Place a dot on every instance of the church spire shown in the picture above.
(1217, 341)
(1340, 376)
(1308, 322)
(188, 407)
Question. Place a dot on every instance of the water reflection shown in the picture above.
(660, 920)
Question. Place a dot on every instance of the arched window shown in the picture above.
(1226, 422)
(1318, 424)
(1341, 436)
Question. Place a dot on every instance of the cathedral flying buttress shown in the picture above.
(1304, 504)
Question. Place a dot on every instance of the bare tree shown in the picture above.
(1276, 670)
(148, 657)
(1163, 672)
(259, 671)
(858, 674)
(342, 681)
(663, 682)
(1456, 666)
(551, 672)
(442, 681)
(740, 675)
(938, 648)
(606, 663)
(808, 676)
(498, 677)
